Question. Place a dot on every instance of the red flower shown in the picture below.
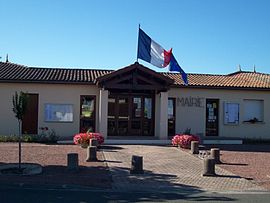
(183, 140)
(84, 138)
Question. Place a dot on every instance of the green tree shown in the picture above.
(19, 108)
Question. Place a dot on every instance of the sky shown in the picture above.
(207, 36)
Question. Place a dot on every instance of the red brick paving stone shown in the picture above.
(248, 161)
(53, 158)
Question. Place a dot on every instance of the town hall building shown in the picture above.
(135, 102)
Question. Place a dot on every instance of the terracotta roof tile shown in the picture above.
(18, 73)
(240, 79)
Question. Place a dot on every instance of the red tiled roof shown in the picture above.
(18, 73)
(10, 72)
(240, 79)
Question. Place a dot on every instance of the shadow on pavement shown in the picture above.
(152, 187)
(164, 183)
(92, 176)
(109, 148)
(233, 164)
(242, 148)
(227, 176)
(167, 197)
(79, 196)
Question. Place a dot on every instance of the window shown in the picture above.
(87, 111)
(171, 116)
(136, 107)
(231, 113)
(148, 108)
(253, 110)
(58, 112)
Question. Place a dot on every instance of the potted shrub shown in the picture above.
(83, 139)
(184, 140)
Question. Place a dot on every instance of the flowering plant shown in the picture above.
(184, 140)
(84, 138)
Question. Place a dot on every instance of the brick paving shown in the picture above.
(53, 159)
(168, 168)
(249, 161)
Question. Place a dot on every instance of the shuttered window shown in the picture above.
(253, 110)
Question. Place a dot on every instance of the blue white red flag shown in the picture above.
(174, 66)
(152, 52)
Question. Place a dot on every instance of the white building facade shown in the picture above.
(136, 103)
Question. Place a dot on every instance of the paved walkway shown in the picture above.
(53, 159)
(168, 169)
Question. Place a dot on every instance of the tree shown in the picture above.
(19, 108)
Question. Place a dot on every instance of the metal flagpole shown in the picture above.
(138, 42)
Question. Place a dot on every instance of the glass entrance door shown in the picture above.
(123, 116)
(212, 109)
(130, 115)
(135, 127)
(148, 117)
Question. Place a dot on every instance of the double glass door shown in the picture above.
(130, 115)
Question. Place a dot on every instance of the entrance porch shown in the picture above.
(133, 104)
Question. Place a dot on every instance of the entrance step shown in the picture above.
(119, 141)
(152, 141)
(222, 140)
(144, 142)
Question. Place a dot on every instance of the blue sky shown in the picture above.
(207, 36)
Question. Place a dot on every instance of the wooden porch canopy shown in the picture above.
(135, 77)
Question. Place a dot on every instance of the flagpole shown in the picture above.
(138, 43)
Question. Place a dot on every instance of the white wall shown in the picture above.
(186, 117)
(194, 117)
(48, 93)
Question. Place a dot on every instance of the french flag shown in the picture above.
(152, 52)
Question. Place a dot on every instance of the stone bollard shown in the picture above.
(209, 167)
(194, 147)
(93, 142)
(136, 165)
(215, 154)
(73, 161)
(91, 153)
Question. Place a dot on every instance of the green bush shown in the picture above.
(48, 136)
(9, 138)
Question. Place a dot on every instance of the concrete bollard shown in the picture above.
(93, 142)
(136, 165)
(73, 161)
(194, 147)
(91, 153)
(215, 154)
(209, 167)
